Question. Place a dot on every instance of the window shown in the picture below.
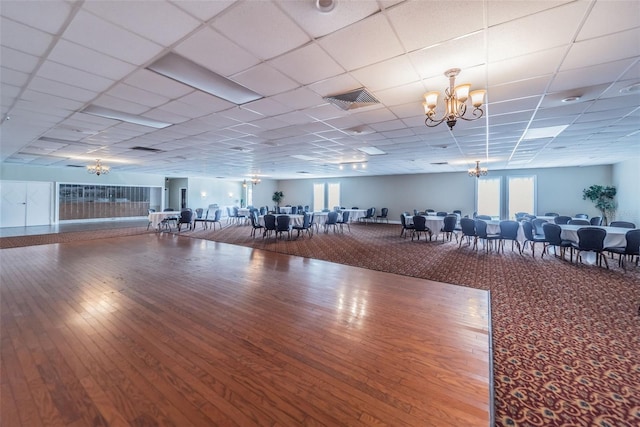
(499, 202)
(521, 193)
(318, 197)
(334, 195)
(489, 197)
(326, 196)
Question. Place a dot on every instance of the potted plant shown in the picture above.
(603, 199)
(277, 197)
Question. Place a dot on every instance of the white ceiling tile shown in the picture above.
(319, 24)
(60, 89)
(462, 53)
(267, 106)
(366, 42)
(13, 77)
(47, 99)
(307, 64)
(118, 104)
(416, 29)
(265, 80)
(182, 109)
(524, 67)
(45, 15)
(597, 51)
(160, 22)
(16, 60)
(155, 83)
(299, 98)
(387, 74)
(589, 76)
(92, 32)
(513, 38)
(625, 13)
(241, 114)
(62, 73)
(412, 92)
(203, 10)
(519, 89)
(207, 47)
(206, 103)
(500, 11)
(261, 28)
(23, 38)
(139, 96)
(82, 58)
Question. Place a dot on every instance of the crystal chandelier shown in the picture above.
(455, 98)
(98, 168)
(478, 171)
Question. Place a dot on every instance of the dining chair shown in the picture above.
(405, 227)
(201, 218)
(531, 238)
(215, 219)
(449, 227)
(255, 224)
(148, 212)
(186, 217)
(344, 221)
(591, 239)
(442, 213)
(596, 220)
(484, 217)
(538, 223)
(306, 225)
(269, 225)
(562, 219)
(468, 228)
(631, 249)
(579, 221)
(486, 238)
(282, 226)
(622, 224)
(509, 231)
(551, 214)
(581, 216)
(332, 221)
(552, 236)
(419, 227)
(383, 215)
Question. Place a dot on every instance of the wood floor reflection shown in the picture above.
(167, 330)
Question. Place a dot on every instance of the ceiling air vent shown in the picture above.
(354, 99)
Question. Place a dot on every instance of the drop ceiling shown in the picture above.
(543, 63)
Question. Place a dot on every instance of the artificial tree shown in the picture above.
(602, 197)
(277, 197)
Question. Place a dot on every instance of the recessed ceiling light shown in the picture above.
(188, 72)
(325, 6)
(372, 151)
(440, 163)
(108, 113)
(548, 132)
(571, 99)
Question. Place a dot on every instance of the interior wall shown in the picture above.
(558, 190)
(208, 191)
(626, 178)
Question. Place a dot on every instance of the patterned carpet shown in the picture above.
(566, 337)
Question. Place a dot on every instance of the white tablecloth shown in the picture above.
(616, 236)
(155, 218)
(493, 227)
(355, 214)
(296, 220)
(285, 209)
(243, 212)
(432, 222)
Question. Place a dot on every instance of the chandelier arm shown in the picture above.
(433, 122)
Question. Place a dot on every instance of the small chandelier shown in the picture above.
(98, 168)
(455, 98)
(478, 171)
(255, 180)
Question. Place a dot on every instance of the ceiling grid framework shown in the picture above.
(59, 57)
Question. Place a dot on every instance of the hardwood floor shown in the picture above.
(164, 330)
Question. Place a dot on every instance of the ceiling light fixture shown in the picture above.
(455, 98)
(188, 72)
(108, 113)
(478, 171)
(325, 6)
(255, 180)
(98, 168)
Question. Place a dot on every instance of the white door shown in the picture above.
(25, 203)
(13, 209)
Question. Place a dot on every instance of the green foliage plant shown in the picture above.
(603, 198)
